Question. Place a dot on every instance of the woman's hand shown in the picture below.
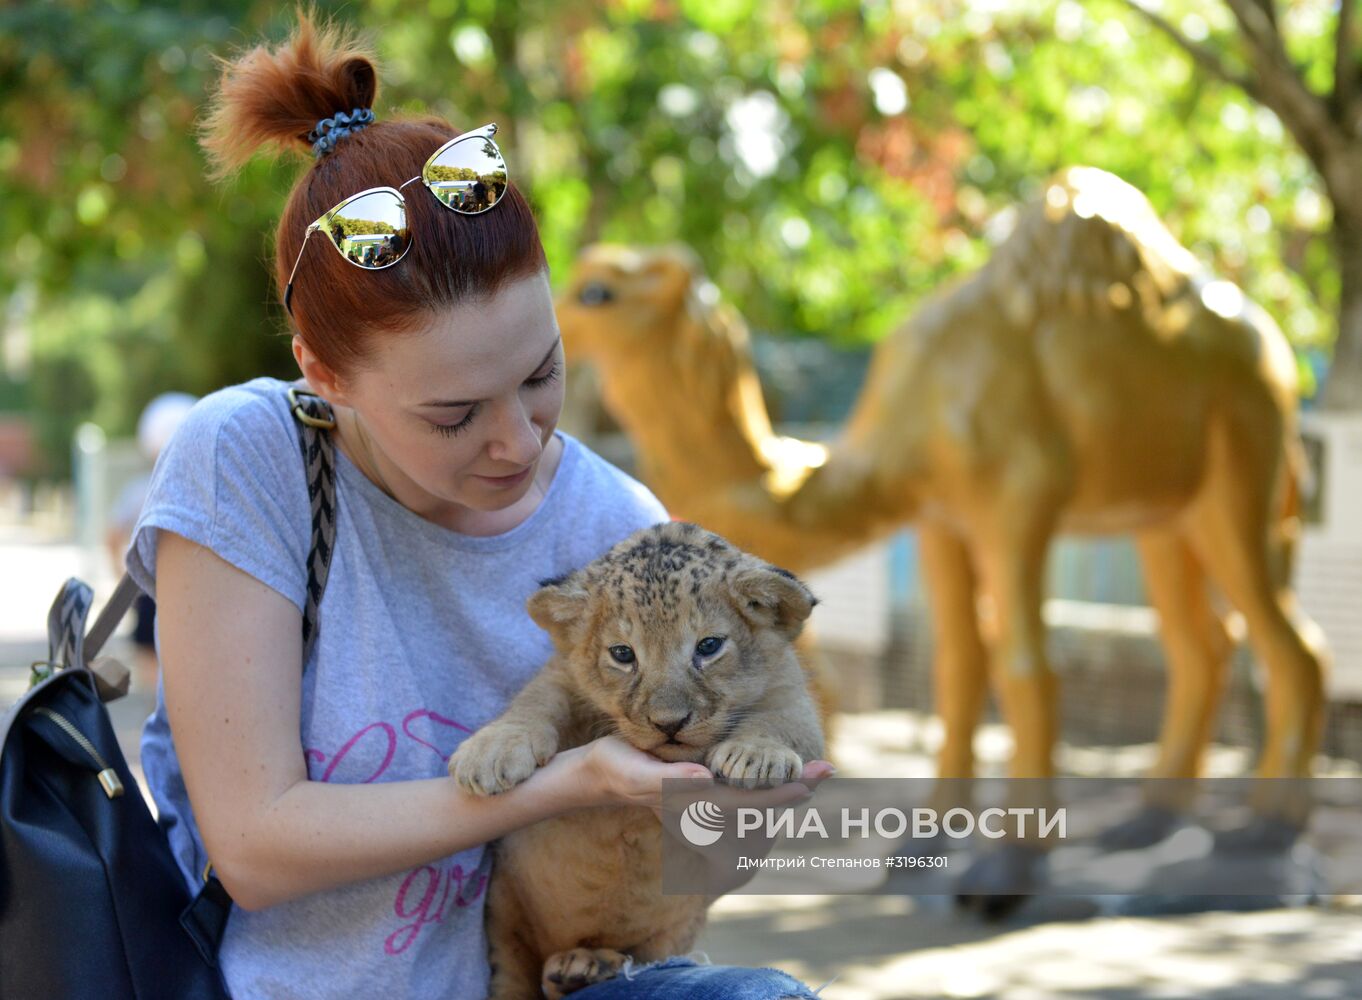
(789, 794)
(619, 773)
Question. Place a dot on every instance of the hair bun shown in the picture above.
(274, 97)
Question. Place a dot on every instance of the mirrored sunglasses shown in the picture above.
(369, 229)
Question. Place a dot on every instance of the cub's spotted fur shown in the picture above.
(681, 644)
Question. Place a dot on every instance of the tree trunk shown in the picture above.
(1343, 386)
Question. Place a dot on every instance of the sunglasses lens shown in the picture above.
(371, 231)
(469, 176)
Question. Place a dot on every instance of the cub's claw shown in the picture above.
(575, 969)
(498, 757)
(754, 765)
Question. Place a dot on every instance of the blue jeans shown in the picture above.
(682, 979)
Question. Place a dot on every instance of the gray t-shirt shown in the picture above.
(424, 638)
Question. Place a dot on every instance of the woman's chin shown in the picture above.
(485, 494)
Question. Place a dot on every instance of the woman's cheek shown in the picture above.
(552, 409)
(442, 462)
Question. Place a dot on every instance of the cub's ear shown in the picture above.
(558, 603)
(772, 597)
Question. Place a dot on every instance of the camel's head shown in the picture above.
(621, 299)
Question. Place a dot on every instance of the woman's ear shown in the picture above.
(558, 604)
(772, 597)
(320, 376)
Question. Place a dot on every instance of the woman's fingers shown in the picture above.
(815, 771)
(631, 775)
(635, 775)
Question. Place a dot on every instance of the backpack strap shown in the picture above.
(66, 625)
(315, 420)
(110, 615)
(69, 646)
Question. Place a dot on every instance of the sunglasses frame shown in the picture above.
(486, 133)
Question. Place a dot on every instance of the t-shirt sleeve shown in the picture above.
(232, 480)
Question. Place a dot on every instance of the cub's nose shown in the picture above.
(670, 726)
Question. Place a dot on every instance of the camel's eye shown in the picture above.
(595, 294)
(709, 645)
(622, 654)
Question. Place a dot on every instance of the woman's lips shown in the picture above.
(514, 480)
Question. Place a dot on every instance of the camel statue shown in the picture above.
(1090, 378)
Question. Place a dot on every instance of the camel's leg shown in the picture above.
(1012, 553)
(960, 664)
(1231, 532)
(1197, 645)
(1011, 549)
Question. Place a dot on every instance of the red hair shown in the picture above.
(275, 97)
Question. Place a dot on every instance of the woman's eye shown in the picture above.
(537, 382)
(546, 378)
(622, 654)
(449, 430)
(709, 645)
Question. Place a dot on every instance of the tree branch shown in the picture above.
(1201, 55)
(1259, 26)
(1345, 72)
(1281, 86)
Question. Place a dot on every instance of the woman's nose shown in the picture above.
(516, 439)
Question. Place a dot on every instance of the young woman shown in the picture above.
(318, 787)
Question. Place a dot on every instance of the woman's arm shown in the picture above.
(231, 652)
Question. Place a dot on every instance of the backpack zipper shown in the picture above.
(108, 777)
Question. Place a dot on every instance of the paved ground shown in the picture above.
(883, 947)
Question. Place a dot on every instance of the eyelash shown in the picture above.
(449, 430)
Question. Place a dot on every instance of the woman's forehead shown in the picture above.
(475, 348)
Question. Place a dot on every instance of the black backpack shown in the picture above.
(92, 902)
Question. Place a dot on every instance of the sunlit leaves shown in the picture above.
(831, 161)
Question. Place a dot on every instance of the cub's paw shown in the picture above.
(752, 764)
(575, 969)
(500, 756)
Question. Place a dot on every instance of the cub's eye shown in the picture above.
(709, 645)
(622, 654)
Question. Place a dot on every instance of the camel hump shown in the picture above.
(1090, 243)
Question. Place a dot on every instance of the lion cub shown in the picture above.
(681, 644)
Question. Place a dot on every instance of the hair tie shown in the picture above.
(329, 130)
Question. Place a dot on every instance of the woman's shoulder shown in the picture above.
(231, 479)
(235, 449)
(248, 422)
(246, 409)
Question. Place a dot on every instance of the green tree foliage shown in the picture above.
(360, 227)
(830, 162)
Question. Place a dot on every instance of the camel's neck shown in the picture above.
(705, 446)
(697, 419)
